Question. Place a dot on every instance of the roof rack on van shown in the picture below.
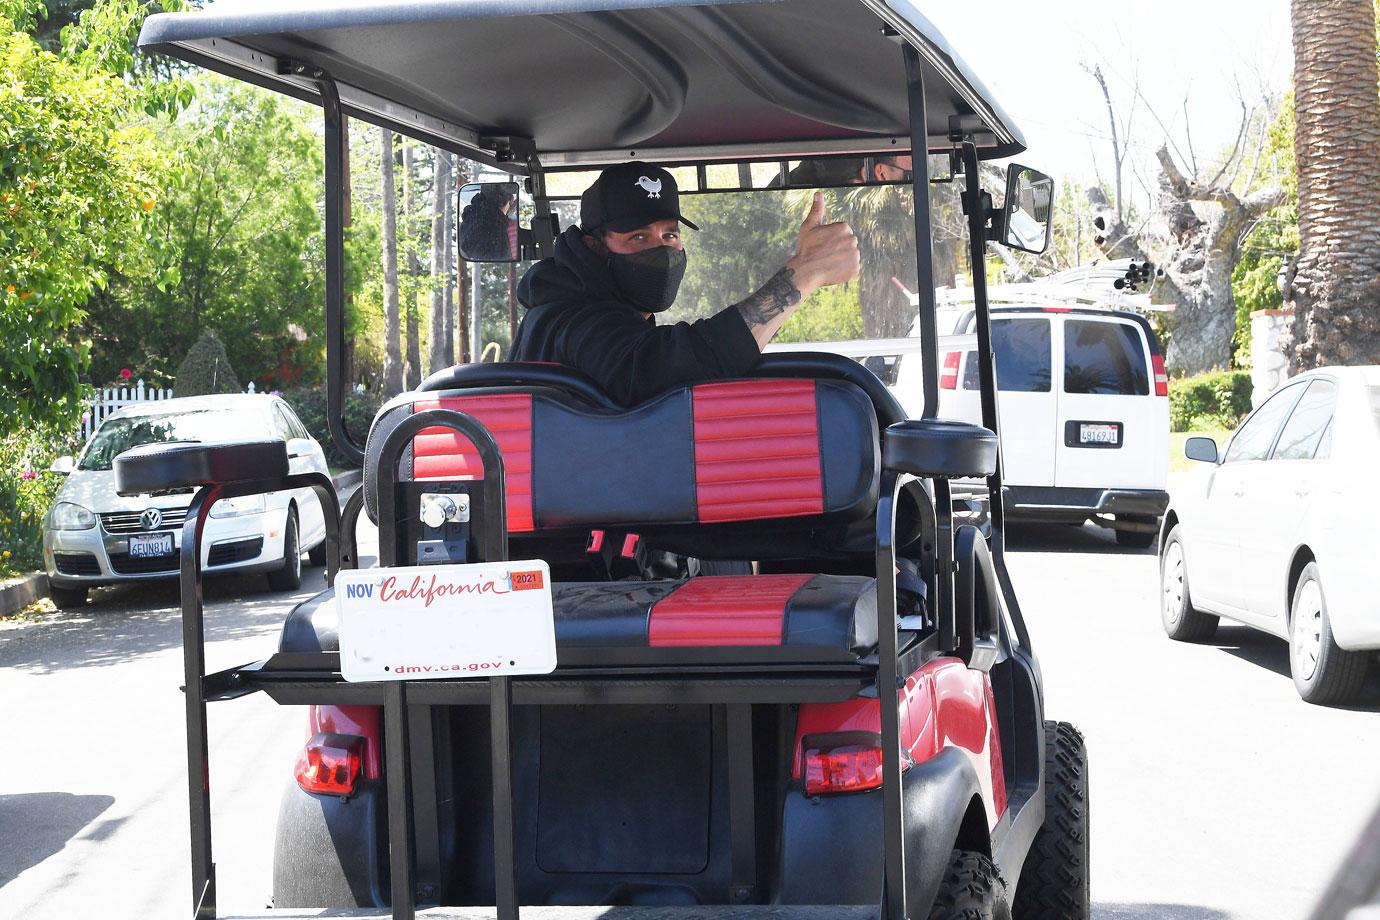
(1112, 285)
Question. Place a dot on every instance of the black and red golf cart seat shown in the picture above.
(784, 469)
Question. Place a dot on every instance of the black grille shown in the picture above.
(76, 564)
(125, 564)
(129, 522)
(239, 551)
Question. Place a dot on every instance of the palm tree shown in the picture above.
(440, 192)
(1335, 291)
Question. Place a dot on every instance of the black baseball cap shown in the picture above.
(628, 196)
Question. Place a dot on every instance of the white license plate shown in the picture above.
(160, 544)
(446, 622)
(1098, 434)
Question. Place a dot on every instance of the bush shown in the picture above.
(1218, 399)
(310, 405)
(26, 493)
(206, 369)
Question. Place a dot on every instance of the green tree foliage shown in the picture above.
(744, 240)
(206, 369)
(1208, 402)
(76, 180)
(237, 244)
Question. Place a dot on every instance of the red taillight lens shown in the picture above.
(849, 764)
(330, 764)
(948, 380)
(1161, 378)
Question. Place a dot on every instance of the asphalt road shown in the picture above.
(1217, 794)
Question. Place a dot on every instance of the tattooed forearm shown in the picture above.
(775, 297)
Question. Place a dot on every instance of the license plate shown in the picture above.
(1098, 434)
(446, 622)
(151, 545)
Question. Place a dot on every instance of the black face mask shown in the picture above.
(649, 279)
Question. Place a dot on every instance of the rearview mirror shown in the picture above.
(489, 222)
(1202, 449)
(63, 466)
(1028, 211)
(299, 447)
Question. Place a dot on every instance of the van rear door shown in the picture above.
(1024, 351)
(1113, 430)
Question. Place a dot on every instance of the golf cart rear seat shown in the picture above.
(757, 469)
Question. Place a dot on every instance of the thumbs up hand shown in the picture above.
(825, 254)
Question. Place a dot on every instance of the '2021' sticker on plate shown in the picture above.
(446, 622)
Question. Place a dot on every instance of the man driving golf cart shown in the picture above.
(498, 716)
(593, 304)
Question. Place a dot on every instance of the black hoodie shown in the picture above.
(576, 317)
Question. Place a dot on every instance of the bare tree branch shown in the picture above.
(1096, 72)
(1188, 136)
(1235, 147)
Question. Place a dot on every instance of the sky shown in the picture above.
(1195, 50)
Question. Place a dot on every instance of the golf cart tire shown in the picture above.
(1190, 625)
(289, 577)
(67, 598)
(1054, 882)
(971, 890)
(1340, 674)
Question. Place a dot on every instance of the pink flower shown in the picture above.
(126, 373)
(27, 474)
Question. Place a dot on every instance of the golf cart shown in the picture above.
(534, 699)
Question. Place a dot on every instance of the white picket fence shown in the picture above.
(110, 400)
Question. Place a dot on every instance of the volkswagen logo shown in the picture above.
(151, 518)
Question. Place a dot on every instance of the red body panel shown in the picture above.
(944, 704)
(724, 610)
(363, 721)
(439, 453)
(757, 450)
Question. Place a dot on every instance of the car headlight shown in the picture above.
(67, 516)
(234, 507)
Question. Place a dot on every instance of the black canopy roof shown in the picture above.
(600, 81)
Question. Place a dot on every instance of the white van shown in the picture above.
(1084, 406)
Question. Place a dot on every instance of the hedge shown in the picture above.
(1218, 399)
(26, 493)
(310, 405)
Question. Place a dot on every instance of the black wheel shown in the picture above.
(289, 577)
(971, 890)
(1181, 621)
(317, 554)
(1054, 880)
(67, 598)
(1135, 539)
(1323, 673)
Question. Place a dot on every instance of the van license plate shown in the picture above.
(1098, 434)
(151, 545)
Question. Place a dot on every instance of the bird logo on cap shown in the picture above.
(651, 186)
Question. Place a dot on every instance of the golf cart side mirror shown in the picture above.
(489, 221)
(1028, 214)
(1203, 449)
(63, 466)
(298, 447)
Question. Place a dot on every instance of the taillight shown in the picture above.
(330, 764)
(1161, 378)
(844, 762)
(949, 379)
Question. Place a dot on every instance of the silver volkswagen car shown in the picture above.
(92, 536)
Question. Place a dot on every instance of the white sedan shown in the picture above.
(1278, 531)
(92, 536)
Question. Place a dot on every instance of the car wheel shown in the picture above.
(971, 890)
(1323, 673)
(1054, 880)
(289, 577)
(317, 554)
(1137, 539)
(1181, 621)
(67, 598)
